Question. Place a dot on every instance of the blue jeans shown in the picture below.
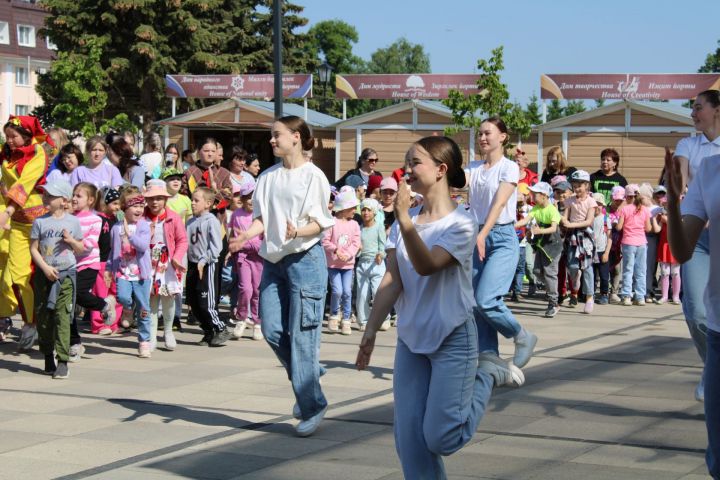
(634, 268)
(140, 291)
(491, 281)
(341, 291)
(695, 275)
(369, 275)
(578, 274)
(519, 271)
(292, 300)
(712, 402)
(440, 399)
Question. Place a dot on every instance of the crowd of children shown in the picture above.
(140, 254)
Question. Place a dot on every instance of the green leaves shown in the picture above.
(492, 100)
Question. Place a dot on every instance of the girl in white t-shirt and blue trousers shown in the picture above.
(687, 223)
(290, 208)
(440, 389)
(690, 152)
(493, 201)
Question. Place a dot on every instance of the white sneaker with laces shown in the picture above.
(385, 326)
(307, 427)
(170, 342)
(257, 333)
(239, 329)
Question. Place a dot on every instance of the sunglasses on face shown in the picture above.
(372, 160)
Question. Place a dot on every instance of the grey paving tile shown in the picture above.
(642, 458)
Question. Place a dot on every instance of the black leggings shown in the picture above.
(85, 282)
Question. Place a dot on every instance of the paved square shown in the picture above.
(608, 396)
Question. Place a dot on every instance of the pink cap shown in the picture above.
(632, 190)
(156, 188)
(617, 193)
(388, 183)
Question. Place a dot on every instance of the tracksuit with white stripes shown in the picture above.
(205, 244)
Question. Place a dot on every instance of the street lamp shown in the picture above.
(324, 72)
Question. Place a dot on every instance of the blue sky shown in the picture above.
(559, 36)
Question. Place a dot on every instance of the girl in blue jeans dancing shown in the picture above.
(439, 386)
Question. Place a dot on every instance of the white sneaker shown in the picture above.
(126, 320)
(153, 344)
(333, 323)
(170, 342)
(76, 352)
(239, 329)
(385, 326)
(503, 372)
(640, 302)
(257, 333)
(524, 347)
(345, 327)
(615, 298)
(307, 427)
(700, 390)
(626, 302)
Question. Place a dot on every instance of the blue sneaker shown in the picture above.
(603, 300)
(224, 301)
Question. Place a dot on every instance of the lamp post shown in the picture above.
(324, 72)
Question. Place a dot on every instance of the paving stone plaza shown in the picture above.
(608, 396)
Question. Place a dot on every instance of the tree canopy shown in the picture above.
(141, 41)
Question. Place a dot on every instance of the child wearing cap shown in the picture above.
(617, 196)
(168, 246)
(55, 239)
(546, 242)
(388, 192)
(602, 230)
(176, 202)
(341, 243)
(130, 265)
(248, 266)
(580, 244)
(371, 261)
(562, 190)
(634, 222)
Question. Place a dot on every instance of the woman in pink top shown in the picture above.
(342, 243)
(634, 222)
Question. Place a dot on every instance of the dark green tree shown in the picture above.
(712, 62)
(492, 99)
(334, 40)
(533, 111)
(574, 106)
(555, 110)
(142, 41)
(600, 102)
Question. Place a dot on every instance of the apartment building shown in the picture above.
(23, 55)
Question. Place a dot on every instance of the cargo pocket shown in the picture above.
(313, 303)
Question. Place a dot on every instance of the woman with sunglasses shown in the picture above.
(366, 164)
(527, 176)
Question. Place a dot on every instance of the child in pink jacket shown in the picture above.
(342, 243)
(168, 246)
(248, 265)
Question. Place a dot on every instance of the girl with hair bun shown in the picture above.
(290, 208)
(440, 390)
(492, 199)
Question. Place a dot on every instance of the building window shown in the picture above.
(26, 35)
(21, 76)
(4, 33)
(22, 109)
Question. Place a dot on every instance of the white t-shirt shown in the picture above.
(703, 202)
(299, 195)
(484, 183)
(431, 307)
(695, 149)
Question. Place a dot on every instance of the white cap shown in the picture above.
(542, 187)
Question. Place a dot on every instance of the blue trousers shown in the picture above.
(695, 274)
(140, 291)
(491, 281)
(712, 402)
(634, 271)
(440, 399)
(519, 271)
(292, 300)
(341, 283)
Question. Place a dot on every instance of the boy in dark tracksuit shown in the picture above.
(204, 234)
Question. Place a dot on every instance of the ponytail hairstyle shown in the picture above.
(91, 191)
(445, 150)
(297, 125)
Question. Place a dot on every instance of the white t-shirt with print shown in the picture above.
(702, 201)
(431, 307)
(299, 195)
(484, 183)
(695, 149)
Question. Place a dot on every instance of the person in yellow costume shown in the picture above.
(24, 164)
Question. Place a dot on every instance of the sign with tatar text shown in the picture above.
(627, 86)
(239, 86)
(406, 86)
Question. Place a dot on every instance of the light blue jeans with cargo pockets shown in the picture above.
(292, 302)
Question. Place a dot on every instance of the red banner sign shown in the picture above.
(627, 86)
(241, 86)
(403, 86)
